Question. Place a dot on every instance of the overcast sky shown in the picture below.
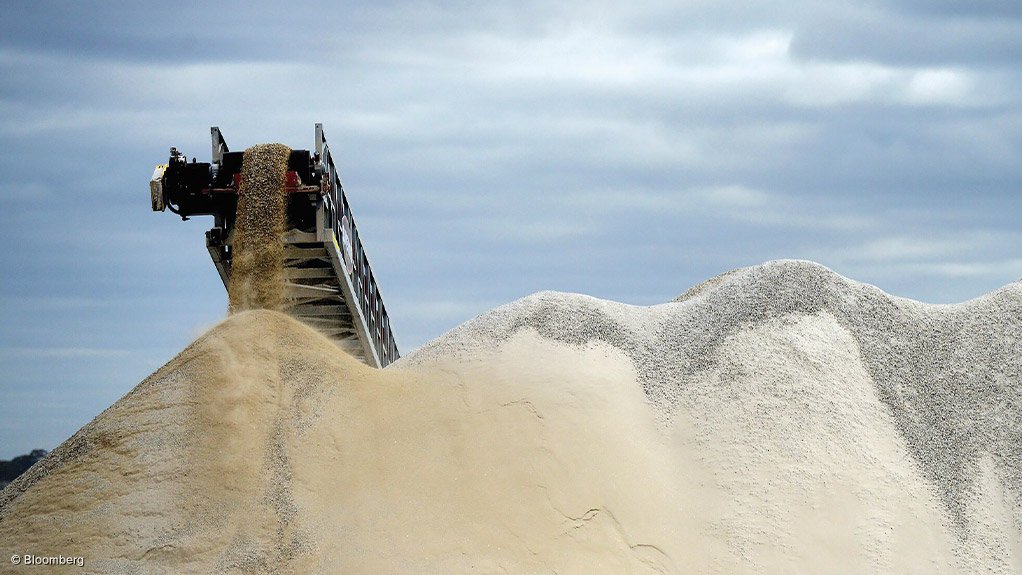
(492, 150)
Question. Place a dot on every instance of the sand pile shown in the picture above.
(776, 419)
(263, 449)
(257, 268)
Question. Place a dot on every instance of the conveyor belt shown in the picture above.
(328, 282)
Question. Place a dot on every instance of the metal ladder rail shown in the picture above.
(354, 265)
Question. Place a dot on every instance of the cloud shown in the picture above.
(739, 197)
(56, 303)
(59, 352)
(492, 150)
(907, 248)
(960, 269)
(26, 192)
(911, 34)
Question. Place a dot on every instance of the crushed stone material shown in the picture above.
(948, 376)
(776, 419)
(257, 266)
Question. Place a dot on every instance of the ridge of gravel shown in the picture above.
(950, 375)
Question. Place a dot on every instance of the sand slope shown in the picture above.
(777, 419)
(262, 449)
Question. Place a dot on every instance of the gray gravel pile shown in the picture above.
(950, 376)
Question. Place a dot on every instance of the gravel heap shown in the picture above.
(257, 269)
(949, 377)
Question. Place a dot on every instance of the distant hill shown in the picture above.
(10, 470)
